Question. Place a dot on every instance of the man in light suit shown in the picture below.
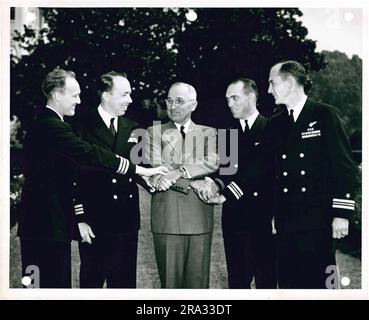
(181, 223)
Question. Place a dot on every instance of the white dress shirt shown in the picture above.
(107, 118)
(250, 121)
(298, 107)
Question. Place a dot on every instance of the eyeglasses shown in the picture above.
(177, 101)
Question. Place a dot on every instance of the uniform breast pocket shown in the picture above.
(312, 141)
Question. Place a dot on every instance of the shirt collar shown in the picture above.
(250, 120)
(186, 126)
(47, 106)
(107, 117)
(298, 107)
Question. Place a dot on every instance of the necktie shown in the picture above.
(112, 128)
(292, 120)
(182, 132)
(246, 129)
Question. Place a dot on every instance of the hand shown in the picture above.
(86, 232)
(148, 172)
(205, 189)
(340, 228)
(166, 181)
(217, 200)
(148, 183)
(161, 182)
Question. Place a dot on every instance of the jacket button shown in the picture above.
(284, 156)
(115, 197)
(255, 194)
(303, 189)
(285, 173)
(130, 196)
(302, 155)
(130, 179)
(74, 183)
(236, 165)
(74, 200)
(285, 190)
(114, 180)
(302, 172)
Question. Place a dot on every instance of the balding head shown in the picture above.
(181, 102)
(187, 88)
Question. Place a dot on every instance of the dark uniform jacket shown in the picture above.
(51, 150)
(315, 174)
(255, 210)
(110, 201)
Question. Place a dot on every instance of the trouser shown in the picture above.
(303, 259)
(249, 255)
(110, 258)
(183, 260)
(48, 262)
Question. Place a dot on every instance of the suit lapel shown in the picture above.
(171, 135)
(100, 130)
(123, 135)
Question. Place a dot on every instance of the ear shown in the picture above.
(193, 106)
(104, 96)
(291, 82)
(56, 95)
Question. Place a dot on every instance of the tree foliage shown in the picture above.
(340, 84)
(156, 46)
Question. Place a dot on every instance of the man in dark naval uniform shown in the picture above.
(110, 219)
(52, 151)
(247, 224)
(316, 180)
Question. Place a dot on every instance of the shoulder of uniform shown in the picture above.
(277, 112)
(130, 123)
(324, 108)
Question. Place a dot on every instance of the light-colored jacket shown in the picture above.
(179, 210)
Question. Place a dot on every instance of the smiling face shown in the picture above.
(183, 103)
(118, 98)
(240, 103)
(68, 97)
(279, 86)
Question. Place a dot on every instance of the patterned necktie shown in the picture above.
(182, 132)
(112, 128)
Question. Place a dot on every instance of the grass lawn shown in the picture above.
(148, 277)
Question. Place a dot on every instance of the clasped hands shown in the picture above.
(207, 190)
(162, 182)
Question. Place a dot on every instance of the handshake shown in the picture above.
(206, 189)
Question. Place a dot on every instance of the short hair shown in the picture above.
(294, 69)
(249, 85)
(56, 80)
(190, 89)
(106, 81)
